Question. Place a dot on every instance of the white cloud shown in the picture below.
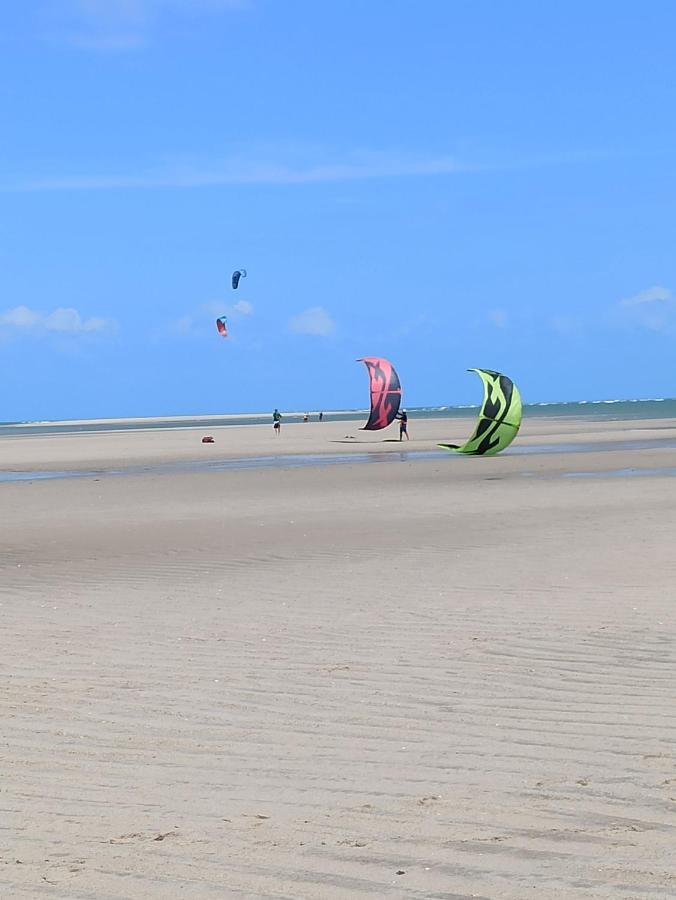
(566, 326)
(184, 326)
(114, 43)
(200, 323)
(19, 317)
(120, 25)
(63, 319)
(315, 321)
(652, 308)
(236, 310)
(214, 309)
(70, 320)
(245, 170)
(656, 294)
(278, 163)
(243, 307)
(498, 318)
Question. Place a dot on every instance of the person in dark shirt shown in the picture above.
(277, 421)
(403, 424)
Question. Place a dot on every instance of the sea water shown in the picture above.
(607, 410)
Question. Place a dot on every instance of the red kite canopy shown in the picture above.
(385, 392)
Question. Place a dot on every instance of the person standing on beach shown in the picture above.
(403, 424)
(321, 416)
(277, 421)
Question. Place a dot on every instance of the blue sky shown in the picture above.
(448, 183)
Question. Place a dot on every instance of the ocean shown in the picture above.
(588, 409)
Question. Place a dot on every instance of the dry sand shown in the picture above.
(428, 679)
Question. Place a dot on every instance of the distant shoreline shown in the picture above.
(657, 408)
(137, 420)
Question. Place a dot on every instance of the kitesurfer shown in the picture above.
(403, 424)
(321, 416)
(277, 421)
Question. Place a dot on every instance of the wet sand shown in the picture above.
(447, 678)
(156, 446)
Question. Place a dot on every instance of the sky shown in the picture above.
(446, 183)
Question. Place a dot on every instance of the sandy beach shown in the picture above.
(440, 678)
(157, 446)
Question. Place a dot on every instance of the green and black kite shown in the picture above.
(499, 417)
